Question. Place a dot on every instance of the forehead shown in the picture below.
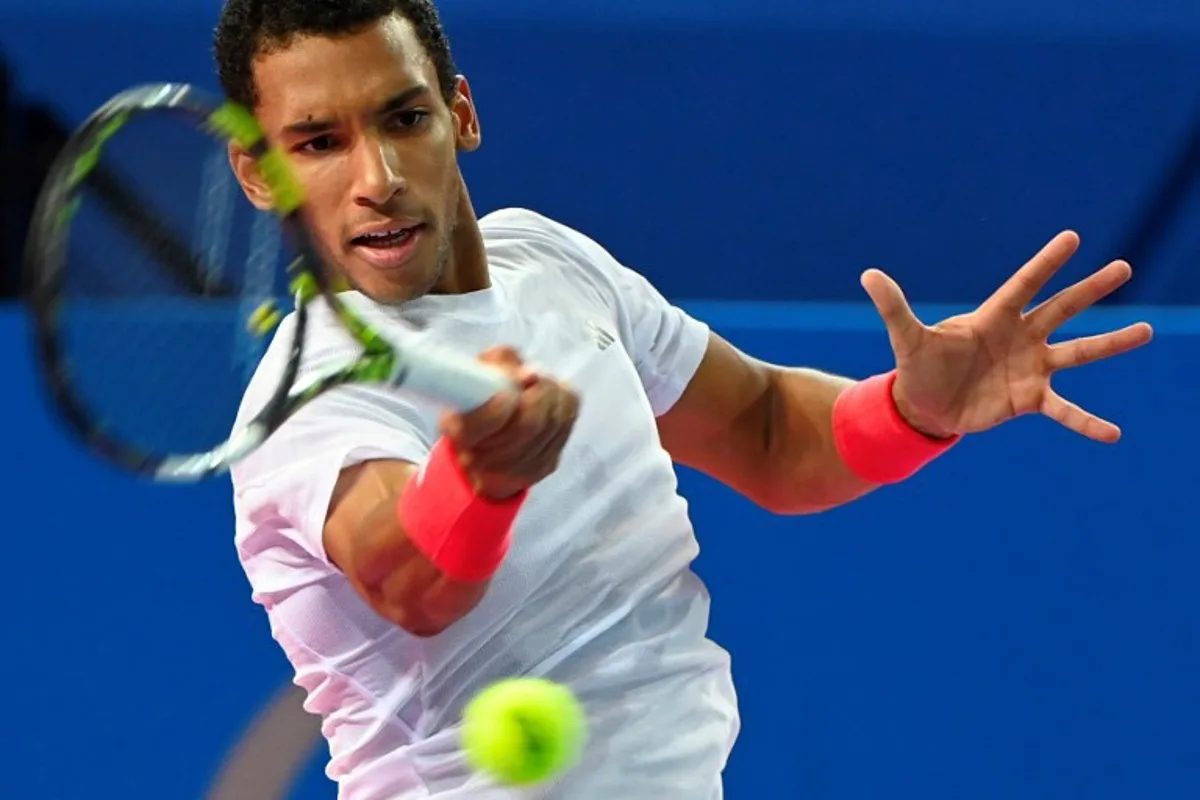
(322, 76)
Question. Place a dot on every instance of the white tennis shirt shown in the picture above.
(597, 590)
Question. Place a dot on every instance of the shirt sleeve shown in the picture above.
(283, 489)
(666, 344)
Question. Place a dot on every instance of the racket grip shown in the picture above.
(450, 379)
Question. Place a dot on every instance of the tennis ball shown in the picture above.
(523, 730)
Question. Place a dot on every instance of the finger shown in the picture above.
(527, 474)
(547, 460)
(519, 445)
(1075, 418)
(533, 462)
(529, 418)
(541, 459)
(1071, 301)
(511, 452)
(466, 431)
(888, 299)
(509, 361)
(450, 425)
(501, 354)
(1020, 290)
(1088, 349)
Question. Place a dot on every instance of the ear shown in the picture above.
(246, 170)
(467, 136)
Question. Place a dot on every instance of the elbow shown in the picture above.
(800, 470)
(808, 493)
(800, 491)
(792, 504)
(783, 485)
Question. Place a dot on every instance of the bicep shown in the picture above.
(762, 430)
(721, 424)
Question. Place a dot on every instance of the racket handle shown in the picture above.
(449, 379)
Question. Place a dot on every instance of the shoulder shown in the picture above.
(521, 239)
(509, 224)
(520, 227)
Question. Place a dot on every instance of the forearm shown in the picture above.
(401, 583)
(804, 472)
(795, 441)
(422, 553)
(840, 439)
(763, 430)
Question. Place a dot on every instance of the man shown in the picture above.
(408, 557)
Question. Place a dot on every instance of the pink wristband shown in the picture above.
(464, 535)
(875, 441)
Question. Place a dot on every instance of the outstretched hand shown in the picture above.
(974, 371)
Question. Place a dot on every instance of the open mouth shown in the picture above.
(385, 239)
(389, 248)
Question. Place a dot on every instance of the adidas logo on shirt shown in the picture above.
(603, 337)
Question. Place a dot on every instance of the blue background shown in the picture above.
(774, 148)
(1017, 621)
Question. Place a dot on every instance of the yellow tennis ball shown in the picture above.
(523, 730)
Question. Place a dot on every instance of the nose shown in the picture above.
(378, 172)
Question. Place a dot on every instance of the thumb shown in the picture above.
(888, 298)
(509, 362)
(506, 358)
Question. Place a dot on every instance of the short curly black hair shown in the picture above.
(248, 28)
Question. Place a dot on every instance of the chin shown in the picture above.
(389, 294)
(395, 291)
(394, 285)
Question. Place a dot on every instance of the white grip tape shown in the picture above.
(449, 379)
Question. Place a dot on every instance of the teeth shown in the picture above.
(386, 236)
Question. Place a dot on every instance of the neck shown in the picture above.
(466, 265)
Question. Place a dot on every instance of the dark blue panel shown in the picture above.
(773, 150)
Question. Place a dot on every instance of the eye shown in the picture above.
(407, 119)
(320, 144)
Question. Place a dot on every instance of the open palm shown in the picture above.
(974, 371)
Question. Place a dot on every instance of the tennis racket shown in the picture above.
(156, 287)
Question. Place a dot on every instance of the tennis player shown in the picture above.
(407, 557)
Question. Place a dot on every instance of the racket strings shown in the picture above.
(165, 264)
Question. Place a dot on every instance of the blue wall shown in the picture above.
(773, 149)
(1017, 621)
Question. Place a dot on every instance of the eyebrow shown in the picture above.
(311, 127)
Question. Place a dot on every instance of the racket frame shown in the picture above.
(46, 253)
